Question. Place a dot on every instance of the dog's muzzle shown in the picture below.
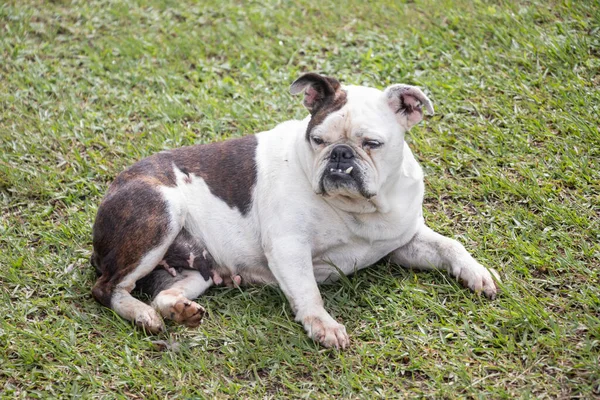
(341, 164)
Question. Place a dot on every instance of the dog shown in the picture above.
(294, 206)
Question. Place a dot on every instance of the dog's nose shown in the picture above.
(341, 152)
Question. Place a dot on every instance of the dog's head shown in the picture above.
(355, 134)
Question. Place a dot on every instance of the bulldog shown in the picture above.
(294, 206)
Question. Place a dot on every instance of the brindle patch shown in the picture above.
(130, 222)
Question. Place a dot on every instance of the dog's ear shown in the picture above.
(408, 102)
(318, 89)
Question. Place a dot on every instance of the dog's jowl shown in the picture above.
(293, 206)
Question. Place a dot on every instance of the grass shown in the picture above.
(512, 157)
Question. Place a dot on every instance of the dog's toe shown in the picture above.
(490, 288)
(150, 321)
(328, 333)
(479, 279)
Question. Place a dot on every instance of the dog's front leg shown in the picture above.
(291, 263)
(430, 250)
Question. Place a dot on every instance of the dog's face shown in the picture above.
(355, 135)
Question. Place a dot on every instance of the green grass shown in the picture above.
(512, 158)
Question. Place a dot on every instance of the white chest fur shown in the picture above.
(286, 204)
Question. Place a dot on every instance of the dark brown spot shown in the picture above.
(316, 88)
(228, 168)
(323, 96)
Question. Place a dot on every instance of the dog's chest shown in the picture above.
(349, 257)
(351, 243)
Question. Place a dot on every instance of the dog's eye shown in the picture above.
(317, 140)
(372, 144)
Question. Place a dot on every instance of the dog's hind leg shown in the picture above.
(135, 225)
(131, 308)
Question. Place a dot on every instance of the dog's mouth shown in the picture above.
(342, 175)
(336, 182)
(335, 173)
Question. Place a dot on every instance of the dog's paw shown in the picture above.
(187, 312)
(174, 306)
(477, 278)
(149, 320)
(327, 332)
